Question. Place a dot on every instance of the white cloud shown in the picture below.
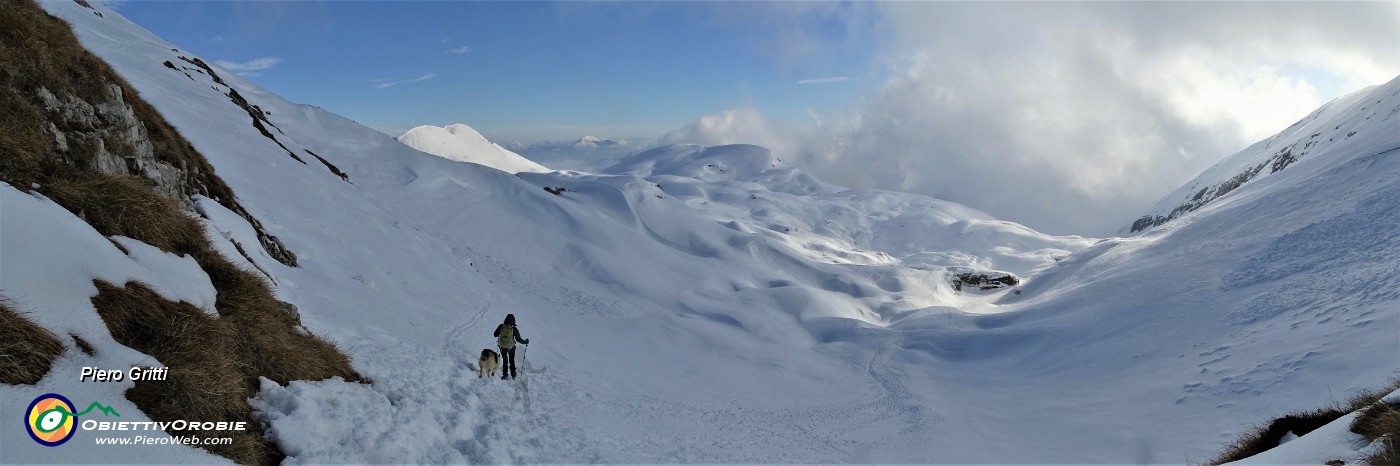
(833, 79)
(406, 81)
(1075, 118)
(735, 126)
(257, 64)
(462, 49)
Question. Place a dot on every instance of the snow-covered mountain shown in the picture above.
(1360, 124)
(709, 304)
(462, 143)
(593, 142)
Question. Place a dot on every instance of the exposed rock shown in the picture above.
(119, 141)
(291, 310)
(60, 141)
(334, 169)
(260, 121)
(985, 280)
(109, 136)
(1281, 160)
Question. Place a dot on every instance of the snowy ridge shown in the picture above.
(462, 143)
(695, 304)
(1362, 123)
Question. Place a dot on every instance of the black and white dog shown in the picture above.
(488, 363)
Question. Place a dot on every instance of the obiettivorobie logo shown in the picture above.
(51, 419)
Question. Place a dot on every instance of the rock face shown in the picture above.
(109, 136)
(118, 140)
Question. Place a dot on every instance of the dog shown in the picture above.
(486, 366)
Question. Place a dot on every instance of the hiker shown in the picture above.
(506, 337)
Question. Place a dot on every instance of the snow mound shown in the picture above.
(462, 143)
(748, 189)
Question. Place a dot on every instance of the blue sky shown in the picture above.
(1068, 117)
(524, 71)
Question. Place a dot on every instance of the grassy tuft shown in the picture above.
(128, 206)
(83, 345)
(27, 351)
(206, 381)
(1264, 437)
(1376, 420)
(1379, 421)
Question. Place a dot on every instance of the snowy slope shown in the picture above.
(1359, 124)
(462, 143)
(697, 304)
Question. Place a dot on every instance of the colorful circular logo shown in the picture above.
(50, 419)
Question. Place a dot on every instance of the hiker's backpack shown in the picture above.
(507, 338)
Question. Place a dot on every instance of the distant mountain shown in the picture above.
(588, 153)
(462, 143)
(593, 142)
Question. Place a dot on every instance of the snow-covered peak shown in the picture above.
(591, 142)
(464, 144)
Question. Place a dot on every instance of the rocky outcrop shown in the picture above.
(984, 280)
(110, 136)
(115, 140)
(258, 116)
(1280, 160)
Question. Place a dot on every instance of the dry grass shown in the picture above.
(214, 362)
(1264, 437)
(83, 345)
(268, 335)
(1376, 420)
(207, 382)
(1379, 420)
(128, 206)
(26, 350)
